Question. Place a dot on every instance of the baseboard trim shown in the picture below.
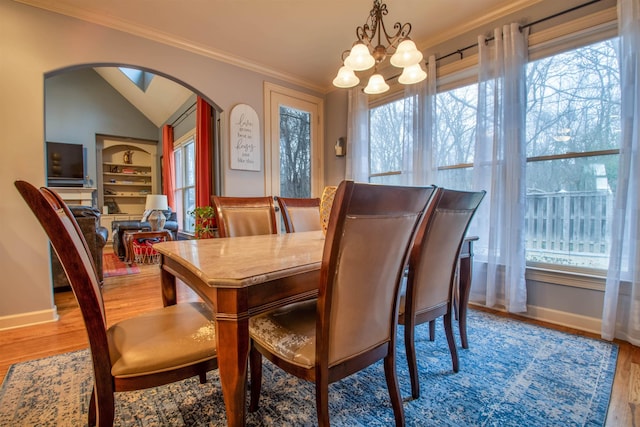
(29, 319)
(556, 317)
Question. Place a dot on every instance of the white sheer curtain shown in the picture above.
(357, 167)
(621, 313)
(420, 151)
(499, 168)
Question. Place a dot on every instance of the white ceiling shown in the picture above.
(296, 40)
(299, 40)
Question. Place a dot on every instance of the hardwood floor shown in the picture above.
(126, 296)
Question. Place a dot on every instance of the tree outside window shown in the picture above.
(572, 130)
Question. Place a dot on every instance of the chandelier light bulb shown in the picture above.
(412, 74)
(376, 85)
(346, 78)
(406, 54)
(359, 58)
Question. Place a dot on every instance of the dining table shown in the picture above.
(240, 277)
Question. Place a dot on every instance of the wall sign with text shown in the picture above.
(245, 138)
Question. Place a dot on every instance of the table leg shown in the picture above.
(168, 284)
(128, 249)
(233, 355)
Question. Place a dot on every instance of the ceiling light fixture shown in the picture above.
(368, 51)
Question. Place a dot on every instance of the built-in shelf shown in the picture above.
(128, 173)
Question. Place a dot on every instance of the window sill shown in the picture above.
(574, 279)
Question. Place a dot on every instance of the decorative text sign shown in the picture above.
(245, 138)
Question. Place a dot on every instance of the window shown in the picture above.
(572, 127)
(573, 121)
(140, 78)
(185, 186)
(455, 136)
(295, 152)
(388, 137)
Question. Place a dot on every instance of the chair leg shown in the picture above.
(394, 388)
(410, 347)
(432, 330)
(322, 401)
(101, 410)
(92, 408)
(255, 370)
(448, 329)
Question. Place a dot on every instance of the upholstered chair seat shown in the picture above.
(289, 332)
(162, 339)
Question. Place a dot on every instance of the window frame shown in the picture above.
(566, 36)
(179, 191)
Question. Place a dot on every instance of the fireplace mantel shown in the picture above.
(76, 195)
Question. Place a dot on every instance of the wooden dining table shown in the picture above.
(240, 277)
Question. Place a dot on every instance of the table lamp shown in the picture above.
(156, 203)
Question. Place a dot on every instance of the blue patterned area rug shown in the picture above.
(513, 374)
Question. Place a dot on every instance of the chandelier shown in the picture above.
(369, 51)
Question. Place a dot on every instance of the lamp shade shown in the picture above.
(407, 54)
(156, 202)
(412, 74)
(359, 58)
(376, 85)
(346, 78)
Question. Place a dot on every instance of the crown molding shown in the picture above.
(507, 9)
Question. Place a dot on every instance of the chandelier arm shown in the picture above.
(368, 34)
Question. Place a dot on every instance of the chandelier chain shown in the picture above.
(375, 27)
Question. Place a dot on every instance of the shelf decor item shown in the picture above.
(127, 157)
(156, 203)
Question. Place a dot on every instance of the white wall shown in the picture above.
(34, 43)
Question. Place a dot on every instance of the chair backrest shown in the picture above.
(434, 255)
(244, 216)
(74, 255)
(300, 214)
(370, 231)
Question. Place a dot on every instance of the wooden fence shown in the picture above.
(572, 222)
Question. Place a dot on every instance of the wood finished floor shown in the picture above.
(126, 296)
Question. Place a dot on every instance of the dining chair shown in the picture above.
(155, 348)
(244, 216)
(352, 324)
(432, 270)
(300, 214)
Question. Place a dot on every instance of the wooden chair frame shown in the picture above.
(432, 269)
(403, 208)
(68, 242)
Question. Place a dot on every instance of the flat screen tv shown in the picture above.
(65, 164)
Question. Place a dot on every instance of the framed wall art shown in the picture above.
(245, 152)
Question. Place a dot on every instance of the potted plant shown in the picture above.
(205, 222)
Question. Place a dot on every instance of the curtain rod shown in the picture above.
(555, 15)
(184, 115)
